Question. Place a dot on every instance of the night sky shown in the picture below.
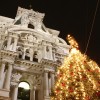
(73, 17)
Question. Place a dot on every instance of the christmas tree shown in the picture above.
(78, 78)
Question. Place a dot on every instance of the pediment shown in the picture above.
(29, 18)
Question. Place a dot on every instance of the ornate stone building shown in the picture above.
(29, 52)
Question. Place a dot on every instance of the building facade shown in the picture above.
(29, 52)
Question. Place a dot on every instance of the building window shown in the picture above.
(35, 57)
(27, 56)
(30, 26)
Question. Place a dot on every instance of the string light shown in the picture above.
(77, 78)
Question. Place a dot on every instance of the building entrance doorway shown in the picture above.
(23, 91)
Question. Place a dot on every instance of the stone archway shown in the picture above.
(23, 91)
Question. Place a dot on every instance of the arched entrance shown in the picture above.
(24, 91)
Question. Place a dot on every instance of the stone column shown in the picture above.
(9, 42)
(23, 55)
(44, 50)
(2, 70)
(31, 54)
(41, 90)
(8, 77)
(52, 80)
(54, 56)
(46, 88)
(2, 75)
(39, 55)
(34, 89)
(15, 44)
(15, 92)
(50, 85)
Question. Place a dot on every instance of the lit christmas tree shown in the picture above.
(78, 78)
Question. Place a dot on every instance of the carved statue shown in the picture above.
(25, 19)
(30, 38)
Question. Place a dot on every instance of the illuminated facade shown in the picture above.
(29, 52)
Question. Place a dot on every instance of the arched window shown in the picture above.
(27, 56)
(35, 56)
(23, 91)
(20, 52)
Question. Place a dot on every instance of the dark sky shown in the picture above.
(68, 16)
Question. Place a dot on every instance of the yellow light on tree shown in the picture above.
(78, 78)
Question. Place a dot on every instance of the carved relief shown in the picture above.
(36, 49)
(37, 81)
(16, 77)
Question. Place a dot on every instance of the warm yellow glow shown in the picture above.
(24, 85)
(78, 78)
(72, 41)
(73, 51)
